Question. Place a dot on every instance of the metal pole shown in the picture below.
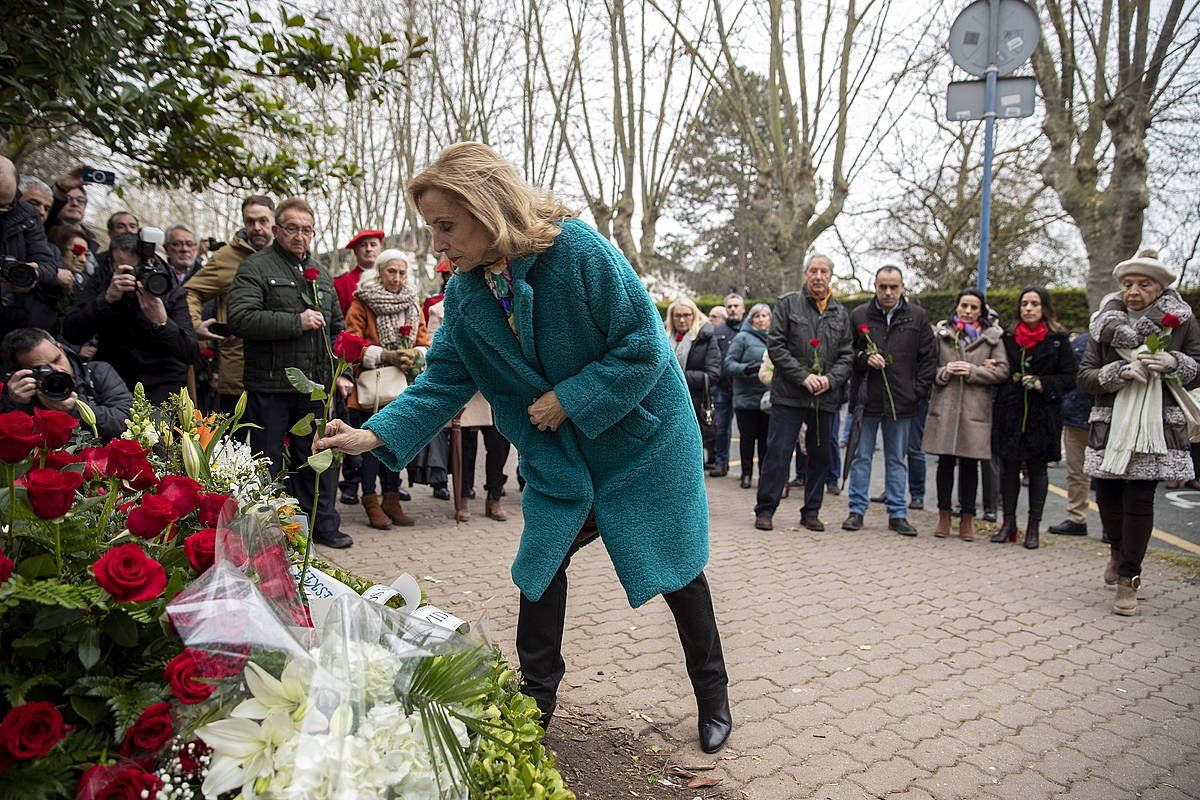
(989, 142)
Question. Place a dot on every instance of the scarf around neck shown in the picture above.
(393, 311)
(970, 329)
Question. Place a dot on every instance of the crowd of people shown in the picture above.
(996, 394)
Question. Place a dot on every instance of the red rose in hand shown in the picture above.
(311, 274)
(350, 347)
(118, 782)
(864, 328)
(55, 427)
(405, 330)
(146, 738)
(962, 326)
(215, 509)
(18, 436)
(1171, 321)
(183, 492)
(814, 342)
(6, 567)
(31, 730)
(129, 575)
(57, 459)
(51, 492)
(151, 517)
(200, 548)
(182, 675)
(207, 353)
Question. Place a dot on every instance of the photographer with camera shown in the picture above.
(44, 374)
(29, 285)
(139, 316)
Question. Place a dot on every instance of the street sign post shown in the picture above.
(967, 100)
(990, 38)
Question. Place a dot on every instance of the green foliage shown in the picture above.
(54, 776)
(126, 696)
(194, 93)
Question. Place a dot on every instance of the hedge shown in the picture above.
(1070, 305)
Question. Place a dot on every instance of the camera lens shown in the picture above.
(157, 284)
(19, 275)
(56, 385)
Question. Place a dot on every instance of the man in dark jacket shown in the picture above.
(894, 363)
(1076, 409)
(27, 351)
(148, 339)
(30, 291)
(283, 306)
(809, 344)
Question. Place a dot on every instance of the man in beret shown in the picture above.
(366, 245)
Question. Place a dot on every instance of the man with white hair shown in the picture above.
(183, 251)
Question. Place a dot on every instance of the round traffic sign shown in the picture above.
(1017, 36)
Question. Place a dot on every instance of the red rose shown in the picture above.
(57, 459)
(125, 459)
(864, 328)
(129, 575)
(271, 561)
(280, 588)
(189, 756)
(151, 516)
(118, 782)
(31, 730)
(350, 347)
(55, 427)
(200, 548)
(301, 615)
(814, 342)
(231, 547)
(311, 274)
(221, 665)
(215, 509)
(182, 674)
(207, 353)
(6, 567)
(1171, 321)
(95, 462)
(146, 738)
(405, 330)
(962, 326)
(183, 492)
(18, 436)
(51, 492)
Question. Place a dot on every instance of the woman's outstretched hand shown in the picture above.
(347, 439)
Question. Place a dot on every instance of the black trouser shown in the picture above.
(781, 443)
(497, 456)
(1039, 485)
(753, 427)
(371, 469)
(990, 477)
(275, 414)
(540, 632)
(968, 482)
(1127, 514)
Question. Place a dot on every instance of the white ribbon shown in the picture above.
(1137, 424)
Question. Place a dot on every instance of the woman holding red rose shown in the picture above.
(1027, 423)
(386, 312)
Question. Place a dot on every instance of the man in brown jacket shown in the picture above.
(212, 282)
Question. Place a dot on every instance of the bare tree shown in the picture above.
(1109, 72)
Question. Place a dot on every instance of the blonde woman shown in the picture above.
(549, 322)
(699, 356)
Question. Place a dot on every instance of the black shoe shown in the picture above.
(763, 522)
(349, 496)
(403, 496)
(746, 481)
(469, 494)
(441, 493)
(902, 526)
(915, 505)
(854, 522)
(879, 498)
(715, 722)
(989, 516)
(1069, 528)
(812, 522)
(718, 472)
(336, 539)
(797, 482)
(832, 488)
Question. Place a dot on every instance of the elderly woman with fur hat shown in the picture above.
(1143, 358)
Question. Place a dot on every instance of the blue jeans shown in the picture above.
(895, 449)
(722, 416)
(784, 429)
(835, 455)
(916, 456)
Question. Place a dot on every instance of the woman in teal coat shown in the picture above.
(549, 322)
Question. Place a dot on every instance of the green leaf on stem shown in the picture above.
(121, 628)
(41, 566)
(303, 427)
(319, 462)
(301, 382)
(89, 648)
(92, 709)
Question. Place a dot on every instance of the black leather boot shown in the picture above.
(1007, 532)
(715, 721)
(1031, 534)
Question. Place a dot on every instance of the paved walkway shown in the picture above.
(865, 665)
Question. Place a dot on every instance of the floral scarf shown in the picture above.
(969, 329)
(397, 314)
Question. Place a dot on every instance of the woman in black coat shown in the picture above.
(1027, 423)
(699, 355)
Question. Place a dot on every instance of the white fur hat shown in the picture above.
(1146, 263)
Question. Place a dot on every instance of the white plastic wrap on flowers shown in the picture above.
(373, 703)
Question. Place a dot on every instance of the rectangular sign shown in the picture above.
(967, 100)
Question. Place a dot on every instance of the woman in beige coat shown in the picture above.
(971, 360)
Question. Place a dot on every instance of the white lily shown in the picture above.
(243, 752)
(287, 693)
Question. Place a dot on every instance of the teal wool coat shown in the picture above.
(631, 447)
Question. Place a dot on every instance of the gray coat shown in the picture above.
(960, 411)
(795, 322)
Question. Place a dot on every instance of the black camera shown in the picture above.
(17, 274)
(99, 176)
(53, 384)
(152, 273)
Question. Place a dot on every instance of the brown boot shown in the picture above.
(1110, 571)
(966, 527)
(375, 516)
(943, 527)
(493, 509)
(395, 511)
(1126, 603)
